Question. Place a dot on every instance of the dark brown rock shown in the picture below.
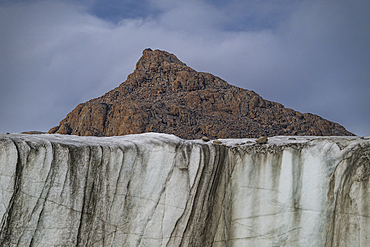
(164, 95)
(205, 139)
(34, 132)
(262, 140)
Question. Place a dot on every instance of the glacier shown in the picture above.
(159, 190)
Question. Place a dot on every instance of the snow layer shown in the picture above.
(159, 190)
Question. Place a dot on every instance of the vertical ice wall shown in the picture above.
(299, 194)
(159, 190)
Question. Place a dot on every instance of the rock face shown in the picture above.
(159, 190)
(164, 95)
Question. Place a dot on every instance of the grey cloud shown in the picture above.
(315, 59)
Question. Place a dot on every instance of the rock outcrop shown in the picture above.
(164, 95)
(159, 190)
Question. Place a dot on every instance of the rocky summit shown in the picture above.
(164, 95)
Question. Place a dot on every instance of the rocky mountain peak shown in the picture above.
(164, 95)
(156, 61)
(164, 71)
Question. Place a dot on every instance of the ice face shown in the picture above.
(159, 190)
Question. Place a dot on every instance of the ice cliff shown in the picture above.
(159, 190)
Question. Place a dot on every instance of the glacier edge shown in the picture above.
(159, 190)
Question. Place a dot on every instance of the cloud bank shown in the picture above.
(312, 56)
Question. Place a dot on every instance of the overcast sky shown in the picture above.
(312, 56)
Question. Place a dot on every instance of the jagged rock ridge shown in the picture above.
(164, 95)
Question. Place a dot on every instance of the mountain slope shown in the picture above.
(164, 95)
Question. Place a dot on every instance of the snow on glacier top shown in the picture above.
(152, 137)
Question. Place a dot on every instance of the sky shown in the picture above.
(311, 56)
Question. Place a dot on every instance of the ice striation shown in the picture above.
(159, 190)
